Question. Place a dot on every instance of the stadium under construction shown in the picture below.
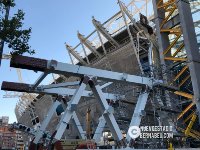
(133, 83)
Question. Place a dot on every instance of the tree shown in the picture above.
(11, 31)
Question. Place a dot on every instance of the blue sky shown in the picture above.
(53, 23)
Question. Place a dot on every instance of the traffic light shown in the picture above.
(35, 120)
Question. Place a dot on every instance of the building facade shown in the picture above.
(9, 139)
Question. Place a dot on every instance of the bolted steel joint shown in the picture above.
(59, 98)
(124, 76)
(85, 80)
(94, 79)
(40, 89)
(53, 64)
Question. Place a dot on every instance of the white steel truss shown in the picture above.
(99, 27)
(89, 77)
(88, 44)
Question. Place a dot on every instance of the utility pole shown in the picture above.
(6, 19)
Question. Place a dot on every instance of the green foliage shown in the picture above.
(6, 3)
(11, 30)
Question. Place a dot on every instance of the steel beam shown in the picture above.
(113, 126)
(189, 127)
(138, 112)
(78, 125)
(98, 94)
(39, 80)
(124, 11)
(77, 96)
(99, 129)
(56, 90)
(108, 113)
(163, 39)
(172, 22)
(106, 84)
(191, 47)
(104, 32)
(75, 54)
(61, 127)
(66, 117)
(79, 71)
(86, 56)
(108, 110)
(45, 122)
(69, 53)
(88, 45)
(102, 44)
(65, 84)
(185, 110)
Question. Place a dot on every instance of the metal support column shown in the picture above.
(191, 47)
(104, 32)
(99, 129)
(46, 121)
(131, 38)
(174, 19)
(138, 112)
(75, 54)
(108, 113)
(69, 111)
(85, 53)
(163, 41)
(88, 44)
(78, 125)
